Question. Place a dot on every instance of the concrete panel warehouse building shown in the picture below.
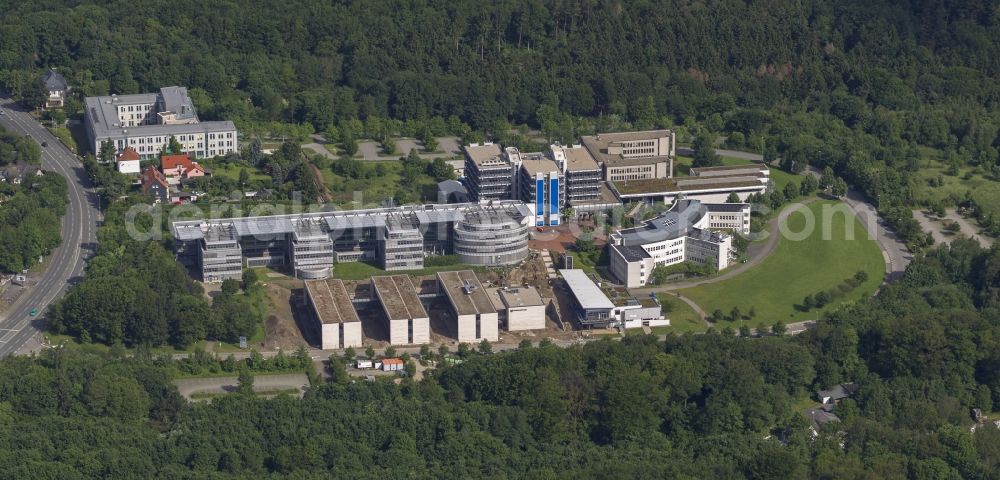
(473, 313)
(339, 325)
(405, 317)
(521, 308)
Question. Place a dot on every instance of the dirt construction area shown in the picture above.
(285, 325)
(290, 324)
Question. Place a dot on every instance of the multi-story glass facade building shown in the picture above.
(309, 244)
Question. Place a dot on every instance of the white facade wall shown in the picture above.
(201, 144)
(466, 328)
(708, 196)
(128, 166)
(638, 316)
(736, 221)
(330, 336)
(700, 251)
(669, 252)
(526, 318)
(136, 114)
(489, 327)
(399, 332)
(220, 143)
(421, 330)
(631, 274)
(639, 323)
(352, 334)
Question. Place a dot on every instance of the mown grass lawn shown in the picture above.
(232, 171)
(363, 270)
(796, 269)
(64, 134)
(682, 317)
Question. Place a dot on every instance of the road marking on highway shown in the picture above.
(68, 258)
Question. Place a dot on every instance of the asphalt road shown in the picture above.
(79, 233)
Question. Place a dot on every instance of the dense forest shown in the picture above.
(871, 90)
(31, 211)
(924, 352)
(136, 293)
(15, 149)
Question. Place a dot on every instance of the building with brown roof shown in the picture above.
(520, 308)
(332, 309)
(174, 166)
(633, 155)
(709, 189)
(155, 184)
(473, 313)
(405, 317)
(128, 161)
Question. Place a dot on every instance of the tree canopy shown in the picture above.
(922, 353)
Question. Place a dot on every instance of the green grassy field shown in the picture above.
(63, 133)
(796, 269)
(682, 317)
(232, 171)
(953, 188)
(218, 347)
(385, 180)
(362, 270)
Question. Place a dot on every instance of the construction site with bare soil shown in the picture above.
(291, 323)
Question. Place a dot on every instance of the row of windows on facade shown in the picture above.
(134, 108)
(639, 169)
(670, 261)
(665, 245)
(639, 143)
(634, 151)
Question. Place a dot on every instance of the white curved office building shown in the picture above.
(690, 231)
(486, 237)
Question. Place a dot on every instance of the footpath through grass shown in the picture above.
(799, 267)
(682, 317)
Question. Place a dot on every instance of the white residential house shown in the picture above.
(57, 87)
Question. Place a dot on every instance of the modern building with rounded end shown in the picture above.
(490, 237)
(313, 273)
(691, 231)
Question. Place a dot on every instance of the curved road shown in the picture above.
(756, 251)
(79, 232)
(894, 250)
